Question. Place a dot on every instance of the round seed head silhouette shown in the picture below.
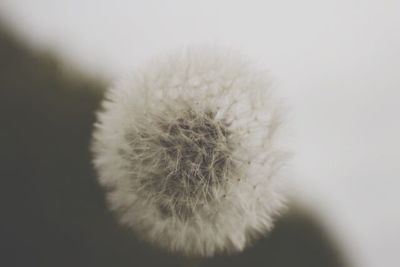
(187, 152)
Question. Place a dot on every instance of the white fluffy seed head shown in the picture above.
(188, 155)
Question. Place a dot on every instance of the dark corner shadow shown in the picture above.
(53, 212)
(296, 240)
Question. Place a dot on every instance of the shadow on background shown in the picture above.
(53, 212)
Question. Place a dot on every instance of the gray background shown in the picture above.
(336, 63)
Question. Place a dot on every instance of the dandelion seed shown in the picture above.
(179, 146)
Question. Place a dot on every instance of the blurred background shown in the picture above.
(335, 63)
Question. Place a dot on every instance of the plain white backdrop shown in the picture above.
(337, 64)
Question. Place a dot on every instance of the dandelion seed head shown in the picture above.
(187, 154)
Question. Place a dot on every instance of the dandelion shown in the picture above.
(187, 153)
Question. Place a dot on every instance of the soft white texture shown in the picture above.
(187, 153)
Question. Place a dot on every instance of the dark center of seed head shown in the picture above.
(195, 159)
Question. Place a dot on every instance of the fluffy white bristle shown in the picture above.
(186, 151)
